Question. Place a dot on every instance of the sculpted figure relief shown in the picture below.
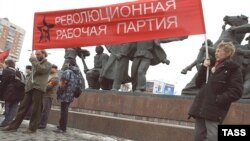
(116, 68)
(92, 75)
(148, 53)
(227, 34)
(190, 88)
(199, 59)
(244, 53)
(70, 53)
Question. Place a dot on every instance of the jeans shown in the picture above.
(47, 102)
(64, 115)
(10, 112)
(206, 130)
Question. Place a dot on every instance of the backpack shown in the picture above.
(19, 86)
(20, 76)
(19, 80)
(78, 84)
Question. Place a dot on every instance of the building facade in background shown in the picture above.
(11, 39)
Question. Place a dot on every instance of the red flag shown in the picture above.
(3, 55)
(119, 23)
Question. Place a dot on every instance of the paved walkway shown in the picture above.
(48, 135)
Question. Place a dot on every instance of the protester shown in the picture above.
(53, 81)
(12, 91)
(65, 93)
(1, 72)
(35, 88)
(224, 86)
(28, 71)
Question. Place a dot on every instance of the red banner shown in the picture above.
(4, 55)
(120, 23)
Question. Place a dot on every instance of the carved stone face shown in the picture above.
(99, 49)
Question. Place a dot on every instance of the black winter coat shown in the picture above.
(224, 86)
(9, 87)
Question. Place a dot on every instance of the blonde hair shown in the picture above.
(228, 47)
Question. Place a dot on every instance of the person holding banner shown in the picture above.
(224, 86)
(35, 88)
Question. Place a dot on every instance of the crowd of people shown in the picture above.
(30, 96)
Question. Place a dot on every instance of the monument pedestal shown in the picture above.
(140, 116)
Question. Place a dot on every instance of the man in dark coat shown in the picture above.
(224, 86)
(12, 91)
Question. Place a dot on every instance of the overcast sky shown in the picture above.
(180, 53)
